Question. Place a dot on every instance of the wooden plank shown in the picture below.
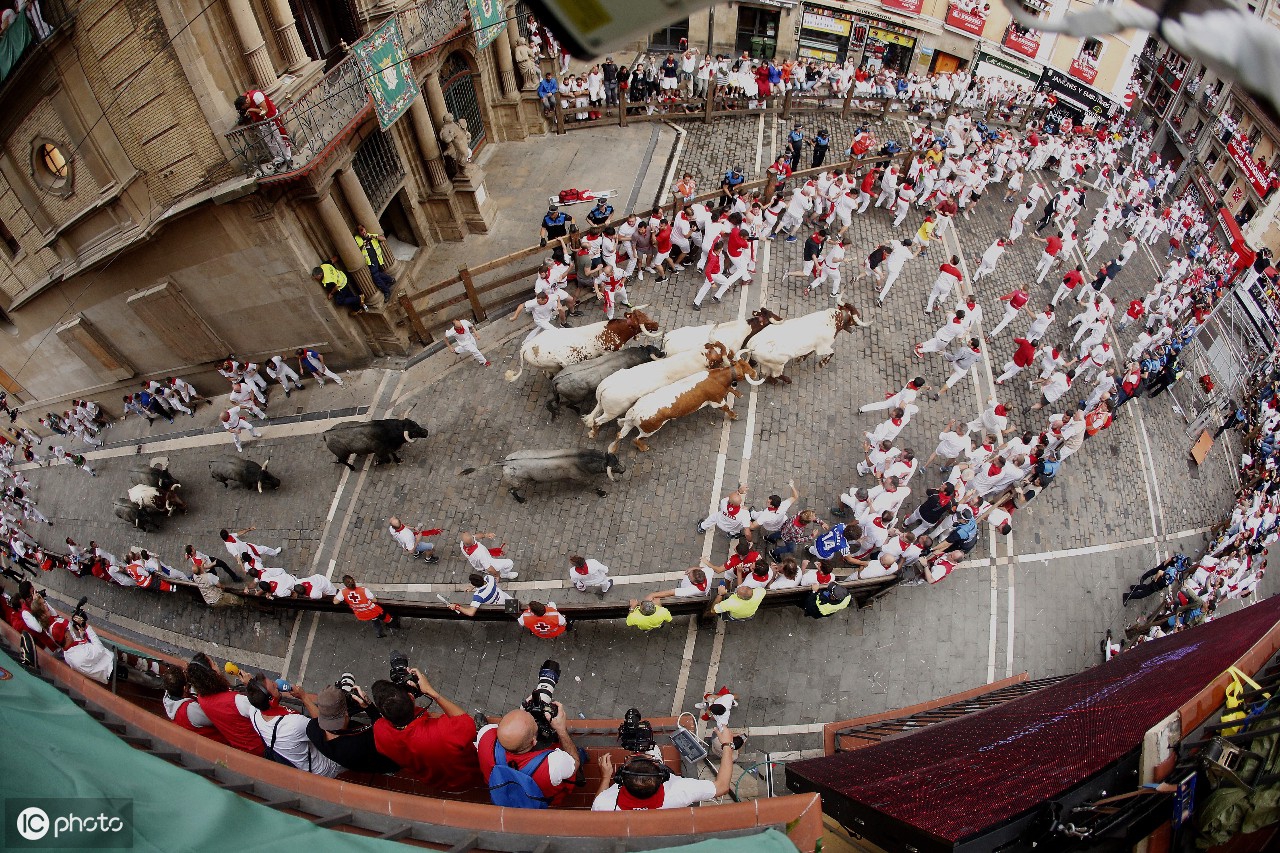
(415, 321)
(1200, 450)
(477, 309)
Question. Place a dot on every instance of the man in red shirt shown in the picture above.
(1133, 314)
(364, 605)
(437, 751)
(740, 562)
(949, 276)
(865, 188)
(1073, 279)
(662, 262)
(1022, 358)
(1016, 300)
(1052, 246)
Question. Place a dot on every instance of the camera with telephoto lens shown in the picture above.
(635, 734)
(79, 617)
(347, 683)
(540, 705)
(401, 676)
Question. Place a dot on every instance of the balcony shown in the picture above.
(26, 62)
(324, 114)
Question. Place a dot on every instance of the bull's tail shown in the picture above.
(466, 471)
(512, 377)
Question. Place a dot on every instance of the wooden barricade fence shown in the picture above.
(477, 292)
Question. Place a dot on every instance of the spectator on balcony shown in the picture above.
(435, 750)
(257, 109)
(376, 252)
(337, 286)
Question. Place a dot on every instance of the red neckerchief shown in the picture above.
(470, 549)
(627, 802)
(732, 510)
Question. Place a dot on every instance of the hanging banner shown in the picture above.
(967, 17)
(486, 20)
(1255, 174)
(1023, 41)
(387, 75)
(1084, 67)
(911, 6)
(1074, 98)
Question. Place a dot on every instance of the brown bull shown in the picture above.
(706, 388)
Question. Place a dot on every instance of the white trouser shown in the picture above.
(1009, 313)
(903, 208)
(944, 222)
(888, 282)
(503, 565)
(740, 267)
(251, 407)
(957, 374)
(615, 298)
(285, 375)
(1042, 268)
(323, 372)
(1015, 229)
(983, 270)
(539, 326)
(887, 403)
(1062, 293)
(831, 274)
(719, 279)
(938, 294)
(631, 265)
(177, 404)
(1010, 370)
(258, 385)
(864, 201)
(935, 344)
(471, 350)
(886, 197)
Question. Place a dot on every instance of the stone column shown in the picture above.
(255, 49)
(346, 246)
(362, 209)
(435, 98)
(501, 48)
(426, 135)
(295, 56)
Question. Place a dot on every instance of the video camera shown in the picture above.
(79, 618)
(401, 676)
(635, 734)
(540, 703)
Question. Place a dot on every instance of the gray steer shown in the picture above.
(145, 520)
(251, 475)
(154, 473)
(381, 438)
(577, 382)
(529, 467)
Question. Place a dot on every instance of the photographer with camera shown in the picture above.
(435, 750)
(341, 739)
(644, 782)
(81, 648)
(528, 758)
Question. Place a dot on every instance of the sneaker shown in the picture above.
(510, 575)
(697, 307)
(488, 364)
(608, 585)
(431, 559)
(640, 275)
(791, 239)
(580, 586)
(661, 278)
(716, 298)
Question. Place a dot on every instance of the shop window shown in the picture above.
(670, 37)
(11, 246)
(757, 32)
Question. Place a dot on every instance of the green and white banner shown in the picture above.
(486, 20)
(384, 65)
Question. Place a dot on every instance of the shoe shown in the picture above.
(580, 586)
(608, 585)
(697, 307)
(661, 278)
(791, 239)
(839, 511)
(510, 575)
(716, 298)
(488, 364)
(431, 559)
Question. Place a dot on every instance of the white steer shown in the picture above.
(733, 333)
(799, 338)
(620, 391)
(557, 348)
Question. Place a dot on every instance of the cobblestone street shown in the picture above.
(1036, 601)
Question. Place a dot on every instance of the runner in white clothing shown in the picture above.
(902, 252)
(234, 424)
(542, 310)
(989, 260)
(464, 340)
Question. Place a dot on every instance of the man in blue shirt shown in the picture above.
(547, 89)
(601, 213)
(732, 180)
(833, 545)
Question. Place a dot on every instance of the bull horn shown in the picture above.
(259, 485)
(635, 308)
(265, 464)
(649, 334)
(407, 440)
(609, 470)
(751, 381)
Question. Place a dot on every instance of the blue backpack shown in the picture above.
(515, 789)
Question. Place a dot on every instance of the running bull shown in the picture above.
(231, 469)
(381, 438)
(529, 467)
(577, 383)
(144, 519)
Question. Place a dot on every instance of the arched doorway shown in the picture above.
(457, 80)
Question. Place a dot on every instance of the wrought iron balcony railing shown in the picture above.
(322, 114)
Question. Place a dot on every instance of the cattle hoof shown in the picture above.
(519, 497)
(772, 380)
(785, 380)
(601, 493)
(641, 446)
(396, 458)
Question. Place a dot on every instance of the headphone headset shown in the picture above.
(652, 769)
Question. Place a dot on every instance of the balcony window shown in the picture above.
(50, 166)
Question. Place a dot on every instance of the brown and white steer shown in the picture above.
(707, 388)
(812, 334)
(734, 334)
(557, 348)
(618, 393)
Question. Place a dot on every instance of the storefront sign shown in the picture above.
(1025, 42)
(1253, 173)
(968, 18)
(825, 22)
(1074, 98)
(1084, 67)
(890, 38)
(820, 54)
(988, 65)
(911, 6)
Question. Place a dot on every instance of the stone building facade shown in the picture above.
(142, 233)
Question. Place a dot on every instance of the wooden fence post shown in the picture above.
(415, 320)
(786, 104)
(885, 106)
(848, 100)
(477, 310)
(559, 113)
(711, 101)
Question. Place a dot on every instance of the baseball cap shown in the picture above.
(331, 709)
(835, 593)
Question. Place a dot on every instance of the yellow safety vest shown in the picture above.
(363, 244)
(334, 276)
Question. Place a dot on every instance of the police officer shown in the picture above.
(556, 224)
(733, 179)
(373, 248)
(338, 287)
(601, 213)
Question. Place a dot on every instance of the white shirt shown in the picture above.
(595, 576)
(291, 741)
(405, 536)
(540, 313)
(677, 793)
(466, 336)
(770, 519)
